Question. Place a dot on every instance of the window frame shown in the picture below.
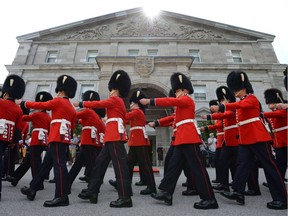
(237, 56)
(51, 57)
(199, 87)
(91, 56)
(197, 58)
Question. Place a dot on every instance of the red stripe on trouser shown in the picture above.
(204, 175)
(119, 168)
(60, 170)
(276, 168)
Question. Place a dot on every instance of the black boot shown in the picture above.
(163, 196)
(30, 193)
(252, 193)
(140, 183)
(84, 178)
(12, 180)
(221, 187)
(206, 204)
(239, 197)
(121, 203)
(113, 183)
(86, 195)
(60, 201)
(189, 193)
(148, 190)
(277, 205)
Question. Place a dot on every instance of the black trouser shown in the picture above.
(10, 159)
(33, 160)
(281, 160)
(253, 182)
(140, 155)
(227, 159)
(86, 157)
(55, 157)
(246, 155)
(217, 164)
(116, 152)
(3, 146)
(190, 154)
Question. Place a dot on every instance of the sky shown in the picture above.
(23, 17)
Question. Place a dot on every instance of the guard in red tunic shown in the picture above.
(61, 127)
(218, 126)
(114, 140)
(10, 114)
(254, 140)
(230, 146)
(139, 143)
(278, 122)
(187, 142)
(90, 144)
(39, 140)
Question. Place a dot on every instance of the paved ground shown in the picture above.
(14, 203)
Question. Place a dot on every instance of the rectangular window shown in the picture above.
(200, 92)
(91, 56)
(236, 55)
(84, 88)
(51, 56)
(195, 54)
(133, 52)
(152, 52)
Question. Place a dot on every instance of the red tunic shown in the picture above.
(61, 108)
(136, 118)
(115, 108)
(11, 112)
(229, 120)
(185, 109)
(278, 120)
(249, 108)
(218, 126)
(41, 124)
(90, 119)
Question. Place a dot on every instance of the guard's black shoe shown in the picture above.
(60, 201)
(277, 205)
(84, 178)
(189, 193)
(252, 193)
(163, 196)
(52, 181)
(221, 187)
(206, 204)
(215, 181)
(113, 183)
(239, 197)
(140, 183)
(30, 193)
(122, 203)
(184, 184)
(12, 180)
(265, 184)
(148, 190)
(93, 198)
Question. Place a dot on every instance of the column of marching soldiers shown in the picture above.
(247, 138)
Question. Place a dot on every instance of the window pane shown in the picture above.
(91, 55)
(133, 52)
(236, 55)
(152, 52)
(200, 92)
(51, 56)
(195, 54)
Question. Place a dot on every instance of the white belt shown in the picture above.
(63, 127)
(93, 131)
(230, 127)
(40, 129)
(4, 121)
(280, 129)
(175, 129)
(120, 124)
(60, 121)
(41, 134)
(248, 121)
(140, 128)
(220, 133)
(185, 121)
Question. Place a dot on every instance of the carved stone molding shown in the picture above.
(144, 65)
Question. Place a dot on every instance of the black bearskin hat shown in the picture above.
(0, 92)
(14, 85)
(285, 78)
(273, 95)
(213, 102)
(136, 97)
(43, 96)
(120, 80)
(67, 84)
(180, 81)
(94, 96)
(238, 80)
(223, 92)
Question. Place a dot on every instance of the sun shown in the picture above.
(151, 10)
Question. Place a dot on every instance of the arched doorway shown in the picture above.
(159, 137)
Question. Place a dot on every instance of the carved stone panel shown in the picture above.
(144, 65)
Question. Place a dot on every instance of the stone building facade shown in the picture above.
(150, 50)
